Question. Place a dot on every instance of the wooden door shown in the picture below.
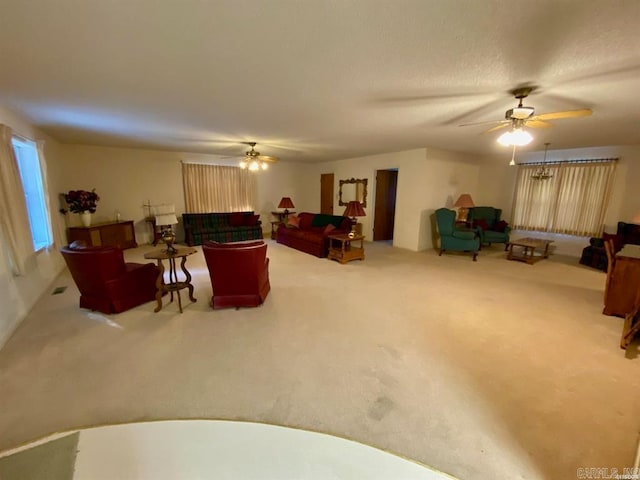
(385, 209)
(326, 193)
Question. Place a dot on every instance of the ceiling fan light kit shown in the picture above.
(516, 137)
(254, 161)
(522, 116)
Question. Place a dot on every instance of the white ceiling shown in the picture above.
(313, 80)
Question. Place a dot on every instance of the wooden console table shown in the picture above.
(110, 234)
(341, 249)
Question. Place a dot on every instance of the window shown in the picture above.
(31, 176)
(571, 199)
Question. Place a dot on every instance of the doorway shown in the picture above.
(385, 209)
(326, 193)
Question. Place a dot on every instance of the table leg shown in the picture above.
(546, 251)
(188, 278)
(159, 286)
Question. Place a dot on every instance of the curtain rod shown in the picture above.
(584, 160)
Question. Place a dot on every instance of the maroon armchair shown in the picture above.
(106, 282)
(239, 273)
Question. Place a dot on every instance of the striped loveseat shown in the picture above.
(221, 227)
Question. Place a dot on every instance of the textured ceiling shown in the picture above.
(318, 80)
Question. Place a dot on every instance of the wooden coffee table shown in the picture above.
(529, 246)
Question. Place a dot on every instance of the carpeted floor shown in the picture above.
(487, 369)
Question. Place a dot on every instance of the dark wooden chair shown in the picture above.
(609, 248)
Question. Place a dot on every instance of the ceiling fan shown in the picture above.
(523, 116)
(254, 161)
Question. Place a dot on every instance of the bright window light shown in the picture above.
(31, 176)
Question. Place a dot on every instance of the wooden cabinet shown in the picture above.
(112, 234)
(624, 286)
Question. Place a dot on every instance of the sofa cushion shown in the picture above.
(305, 220)
(328, 229)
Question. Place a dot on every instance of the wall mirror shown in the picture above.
(353, 189)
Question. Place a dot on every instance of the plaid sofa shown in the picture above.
(221, 227)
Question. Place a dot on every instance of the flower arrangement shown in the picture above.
(82, 201)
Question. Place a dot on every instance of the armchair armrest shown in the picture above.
(464, 234)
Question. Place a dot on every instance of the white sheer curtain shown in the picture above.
(56, 229)
(14, 219)
(216, 188)
(573, 201)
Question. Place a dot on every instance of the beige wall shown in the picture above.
(427, 180)
(19, 293)
(126, 179)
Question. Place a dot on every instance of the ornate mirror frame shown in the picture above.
(360, 186)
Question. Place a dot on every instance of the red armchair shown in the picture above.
(239, 273)
(106, 282)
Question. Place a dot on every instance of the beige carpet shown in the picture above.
(488, 369)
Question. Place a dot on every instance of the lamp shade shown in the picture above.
(165, 214)
(354, 209)
(169, 219)
(464, 201)
(286, 202)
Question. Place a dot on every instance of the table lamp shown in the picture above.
(286, 203)
(354, 209)
(165, 218)
(464, 203)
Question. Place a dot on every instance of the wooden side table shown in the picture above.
(341, 249)
(174, 284)
(274, 229)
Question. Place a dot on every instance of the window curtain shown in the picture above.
(56, 230)
(14, 219)
(216, 188)
(573, 201)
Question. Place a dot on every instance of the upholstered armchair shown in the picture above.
(488, 223)
(106, 283)
(452, 238)
(239, 273)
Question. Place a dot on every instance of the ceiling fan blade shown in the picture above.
(267, 158)
(498, 127)
(484, 123)
(584, 112)
(537, 124)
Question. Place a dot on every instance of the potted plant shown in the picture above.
(82, 202)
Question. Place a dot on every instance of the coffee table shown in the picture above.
(529, 246)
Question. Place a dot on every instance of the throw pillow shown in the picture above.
(329, 228)
(293, 221)
(251, 220)
(500, 226)
(482, 223)
(236, 219)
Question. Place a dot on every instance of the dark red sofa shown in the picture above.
(239, 273)
(106, 283)
(311, 234)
